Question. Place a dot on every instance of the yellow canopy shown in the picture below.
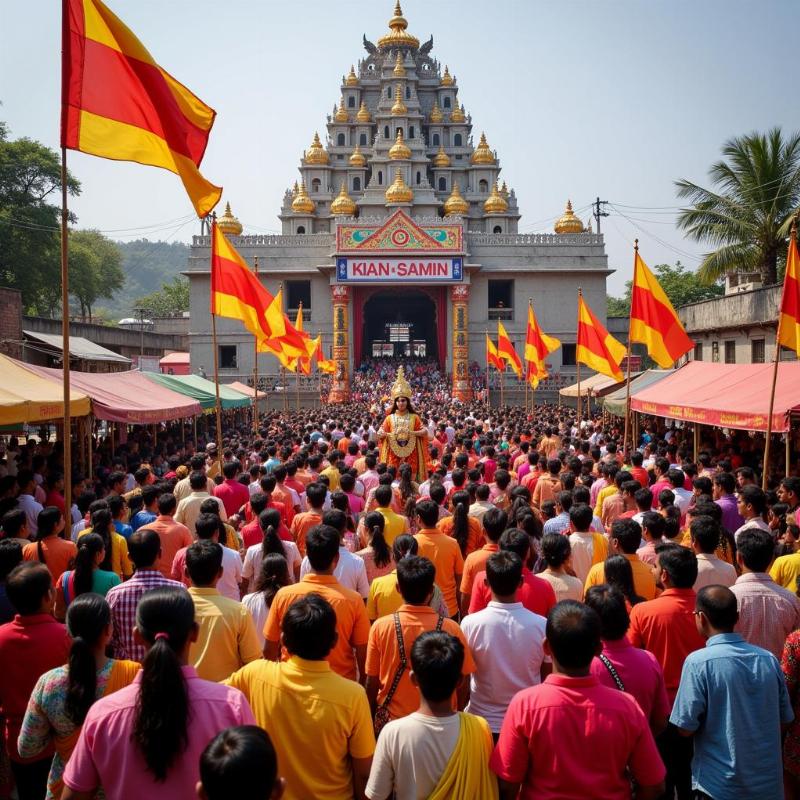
(25, 397)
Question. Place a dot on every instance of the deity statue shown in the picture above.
(403, 438)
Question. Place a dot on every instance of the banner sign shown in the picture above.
(711, 416)
(414, 269)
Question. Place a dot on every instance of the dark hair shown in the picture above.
(375, 523)
(437, 659)
(581, 517)
(13, 521)
(495, 521)
(403, 546)
(258, 502)
(273, 575)
(619, 574)
(322, 546)
(609, 604)
(239, 762)
(88, 616)
(46, 523)
(756, 549)
(197, 480)
(309, 627)
(27, 585)
(167, 503)
(203, 562)
(628, 534)
(504, 572)
(718, 603)
(269, 521)
(428, 511)
(101, 524)
(415, 578)
(556, 549)
(654, 523)
(315, 494)
(10, 557)
(206, 526)
(165, 620)
(725, 481)
(89, 546)
(707, 532)
(460, 502)
(644, 499)
(754, 496)
(573, 631)
(679, 563)
(516, 541)
(143, 548)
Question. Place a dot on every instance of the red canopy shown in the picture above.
(125, 396)
(724, 395)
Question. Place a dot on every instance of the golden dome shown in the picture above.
(441, 159)
(302, 203)
(352, 78)
(455, 204)
(399, 106)
(357, 158)
(316, 154)
(363, 113)
(568, 222)
(436, 113)
(482, 154)
(495, 203)
(447, 78)
(398, 36)
(343, 205)
(458, 115)
(228, 224)
(399, 150)
(399, 70)
(399, 191)
(341, 112)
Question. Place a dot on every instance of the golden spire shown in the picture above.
(399, 191)
(295, 190)
(458, 115)
(341, 113)
(398, 36)
(352, 78)
(399, 150)
(455, 204)
(441, 159)
(363, 113)
(357, 158)
(316, 154)
(303, 204)
(399, 106)
(447, 78)
(482, 154)
(495, 203)
(343, 205)
(399, 70)
(568, 222)
(504, 190)
(228, 224)
(436, 113)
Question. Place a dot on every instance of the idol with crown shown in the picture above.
(403, 438)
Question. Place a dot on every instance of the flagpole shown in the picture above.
(67, 419)
(628, 369)
(502, 372)
(218, 403)
(255, 366)
(578, 364)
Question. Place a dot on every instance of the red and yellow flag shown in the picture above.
(237, 293)
(291, 345)
(538, 346)
(596, 347)
(118, 103)
(304, 362)
(324, 364)
(789, 319)
(506, 351)
(492, 357)
(654, 322)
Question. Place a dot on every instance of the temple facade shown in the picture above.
(399, 236)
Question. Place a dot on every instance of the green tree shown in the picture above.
(169, 301)
(95, 269)
(680, 285)
(748, 215)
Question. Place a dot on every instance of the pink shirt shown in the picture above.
(105, 755)
(233, 494)
(549, 729)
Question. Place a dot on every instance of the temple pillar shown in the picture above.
(459, 296)
(340, 384)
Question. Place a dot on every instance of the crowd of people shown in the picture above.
(535, 615)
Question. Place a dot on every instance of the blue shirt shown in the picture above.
(557, 524)
(733, 696)
(143, 517)
(125, 531)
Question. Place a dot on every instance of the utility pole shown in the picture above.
(597, 213)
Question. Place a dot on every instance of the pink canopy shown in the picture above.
(243, 388)
(724, 395)
(125, 396)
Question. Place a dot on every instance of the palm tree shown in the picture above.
(749, 215)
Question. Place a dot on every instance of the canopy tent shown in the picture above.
(599, 384)
(126, 397)
(79, 348)
(201, 390)
(28, 397)
(177, 363)
(246, 390)
(725, 395)
(614, 403)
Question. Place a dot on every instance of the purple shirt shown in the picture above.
(732, 520)
(105, 755)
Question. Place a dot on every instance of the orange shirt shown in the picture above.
(281, 494)
(301, 525)
(173, 537)
(58, 554)
(475, 537)
(352, 623)
(546, 488)
(475, 563)
(446, 556)
(383, 655)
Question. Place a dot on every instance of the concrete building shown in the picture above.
(400, 238)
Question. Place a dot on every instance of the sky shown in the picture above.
(580, 99)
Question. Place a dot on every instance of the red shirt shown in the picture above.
(252, 533)
(55, 498)
(549, 729)
(640, 474)
(536, 594)
(233, 495)
(30, 645)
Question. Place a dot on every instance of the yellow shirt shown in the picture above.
(385, 598)
(333, 475)
(786, 570)
(644, 582)
(317, 721)
(120, 562)
(227, 639)
(395, 524)
(606, 491)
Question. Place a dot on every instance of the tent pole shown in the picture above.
(67, 437)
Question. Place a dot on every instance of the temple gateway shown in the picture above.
(399, 236)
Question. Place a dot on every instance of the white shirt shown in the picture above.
(253, 558)
(755, 522)
(713, 570)
(582, 553)
(228, 584)
(350, 572)
(682, 498)
(505, 640)
(254, 603)
(31, 508)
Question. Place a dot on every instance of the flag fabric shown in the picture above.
(506, 351)
(237, 293)
(492, 357)
(118, 103)
(538, 346)
(324, 364)
(304, 363)
(291, 345)
(789, 319)
(654, 322)
(596, 347)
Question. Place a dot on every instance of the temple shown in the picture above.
(399, 236)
